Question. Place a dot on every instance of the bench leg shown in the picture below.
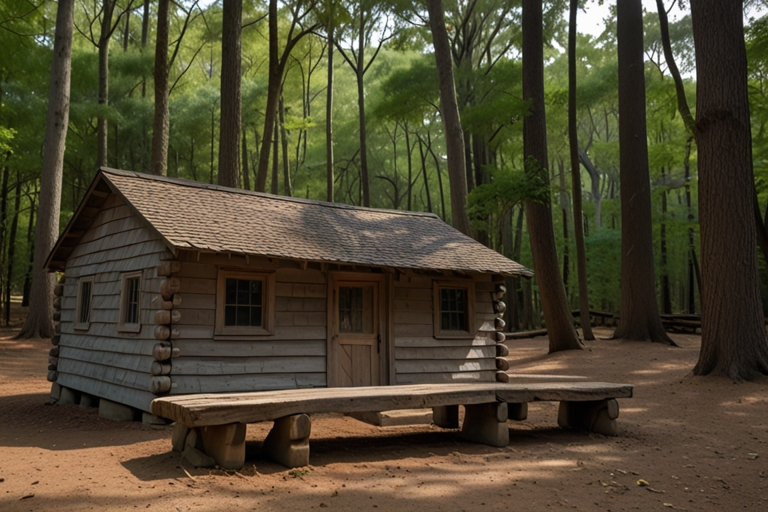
(225, 444)
(446, 416)
(517, 412)
(594, 416)
(288, 441)
(486, 424)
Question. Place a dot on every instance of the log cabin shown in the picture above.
(174, 287)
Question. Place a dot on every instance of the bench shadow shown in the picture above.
(357, 450)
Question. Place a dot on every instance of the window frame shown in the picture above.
(222, 331)
(122, 325)
(84, 326)
(469, 288)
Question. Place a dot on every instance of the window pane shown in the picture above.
(243, 302)
(231, 292)
(131, 307)
(85, 302)
(230, 315)
(453, 312)
(243, 315)
(356, 309)
(256, 316)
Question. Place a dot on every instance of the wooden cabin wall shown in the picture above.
(419, 356)
(102, 361)
(293, 357)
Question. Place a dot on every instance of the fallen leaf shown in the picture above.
(27, 497)
(642, 483)
(669, 505)
(752, 455)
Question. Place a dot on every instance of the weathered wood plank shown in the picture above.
(457, 353)
(117, 376)
(300, 318)
(119, 264)
(299, 304)
(197, 301)
(252, 365)
(253, 348)
(115, 240)
(413, 305)
(140, 399)
(407, 293)
(196, 316)
(203, 410)
(478, 341)
(414, 331)
(197, 285)
(446, 378)
(414, 318)
(117, 345)
(444, 365)
(134, 362)
(295, 275)
(183, 384)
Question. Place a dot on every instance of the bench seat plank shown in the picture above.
(253, 407)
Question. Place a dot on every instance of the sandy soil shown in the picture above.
(700, 444)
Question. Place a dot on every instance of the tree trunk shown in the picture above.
(573, 140)
(594, 177)
(275, 166)
(733, 338)
(31, 249)
(639, 311)
(329, 183)
(12, 249)
(284, 146)
(449, 112)
(682, 102)
(410, 167)
(360, 72)
(229, 124)
(39, 321)
(564, 215)
(102, 127)
(160, 126)
(557, 313)
(244, 158)
(3, 219)
(424, 173)
(273, 93)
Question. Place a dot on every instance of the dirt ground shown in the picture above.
(700, 444)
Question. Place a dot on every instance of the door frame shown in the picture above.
(384, 317)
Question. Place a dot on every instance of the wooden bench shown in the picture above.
(214, 424)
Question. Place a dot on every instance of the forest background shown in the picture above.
(383, 54)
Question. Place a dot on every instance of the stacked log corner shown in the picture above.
(499, 307)
(164, 319)
(53, 354)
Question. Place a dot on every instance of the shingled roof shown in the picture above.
(197, 216)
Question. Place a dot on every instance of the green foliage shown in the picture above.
(507, 188)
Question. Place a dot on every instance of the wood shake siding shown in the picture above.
(422, 358)
(100, 360)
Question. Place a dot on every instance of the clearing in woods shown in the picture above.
(692, 444)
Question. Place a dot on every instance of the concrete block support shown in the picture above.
(593, 416)
(69, 396)
(486, 424)
(88, 401)
(225, 444)
(288, 441)
(113, 411)
(446, 416)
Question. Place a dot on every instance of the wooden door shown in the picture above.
(355, 346)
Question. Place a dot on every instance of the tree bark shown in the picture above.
(682, 102)
(273, 91)
(244, 158)
(287, 189)
(733, 337)
(639, 310)
(573, 140)
(39, 322)
(449, 112)
(360, 72)
(159, 159)
(102, 127)
(229, 124)
(557, 313)
(329, 183)
(12, 249)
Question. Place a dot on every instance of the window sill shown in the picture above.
(243, 335)
(82, 327)
(129, 328)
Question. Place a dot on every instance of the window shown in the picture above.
(243, 305)
(356, 309)
(130, 303)
(454, 307)
(83, 309)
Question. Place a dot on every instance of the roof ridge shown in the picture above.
(197, 184)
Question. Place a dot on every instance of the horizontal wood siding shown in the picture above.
(422, 358)
(100, 360)
(293, 357)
